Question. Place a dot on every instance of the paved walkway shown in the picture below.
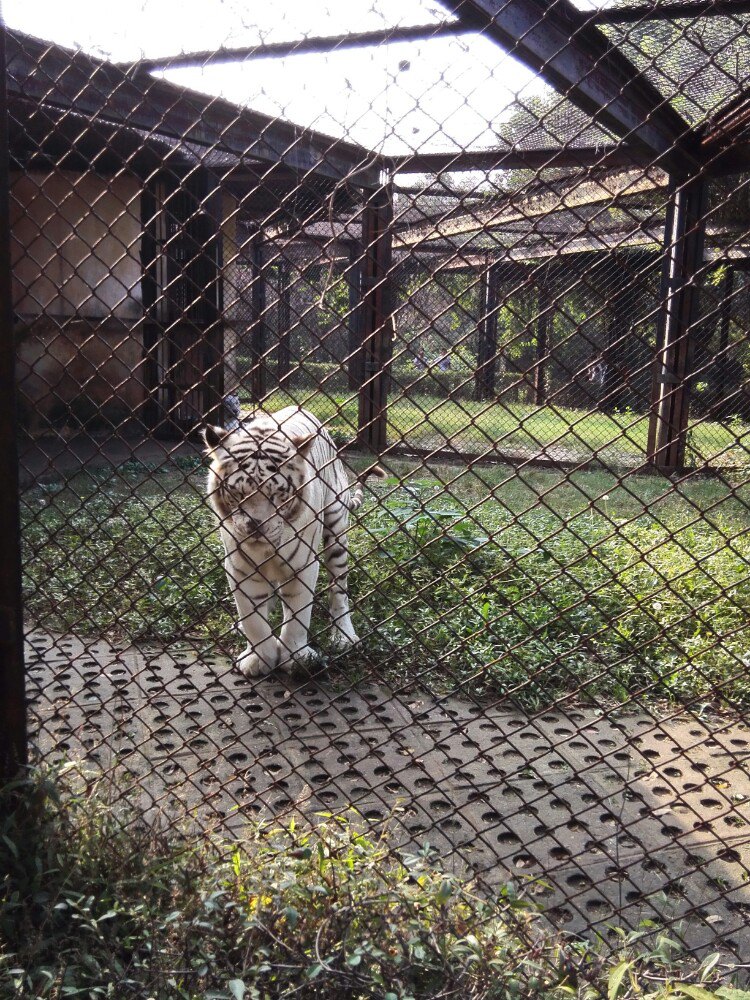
(599, 813)
(51, 458)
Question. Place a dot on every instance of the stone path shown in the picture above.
(598, 813)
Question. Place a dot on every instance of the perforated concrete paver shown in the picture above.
(608, 818)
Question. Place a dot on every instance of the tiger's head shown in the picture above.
(257, 474)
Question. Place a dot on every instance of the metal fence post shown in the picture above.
(13, 749)
(208, 268)
(354, 281)
(377, 320)
(484, 380)
(683, 256)
(284, 348)
(152, 408)
(543, 323)
(257, 338)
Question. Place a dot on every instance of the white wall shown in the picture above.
(76, 245)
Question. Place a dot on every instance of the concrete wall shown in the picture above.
(78, 302)
(80, 373)
(76, 245)
(77, 298)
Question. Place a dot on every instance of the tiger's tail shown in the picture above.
(357, 494)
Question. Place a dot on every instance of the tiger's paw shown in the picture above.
(304, 658)
(342, 640)
(252, 665)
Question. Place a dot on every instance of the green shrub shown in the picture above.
(95, 902)
(521, 606)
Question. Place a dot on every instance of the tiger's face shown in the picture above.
(257, 475)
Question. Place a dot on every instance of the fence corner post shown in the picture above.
(13, 739)
(684, 232)
(257, 338)
(376, 327)
(484, 379)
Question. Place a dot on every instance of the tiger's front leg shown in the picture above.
(253, 593)
(336, 558)
(297, 595)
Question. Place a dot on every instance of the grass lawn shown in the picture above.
(567, 434)
(527, 586)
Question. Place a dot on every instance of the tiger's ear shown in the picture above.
(212, 436)
(303, 441)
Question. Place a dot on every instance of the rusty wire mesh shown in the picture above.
(540, 328)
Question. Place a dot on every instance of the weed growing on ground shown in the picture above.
(96, 902)
(528, 587)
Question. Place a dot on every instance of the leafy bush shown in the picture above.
(95, 902)
(518, 605)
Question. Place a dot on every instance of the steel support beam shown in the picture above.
(484, 380)
(377, 320)
(315, 44)
(593, 191)
(13, 748)
(725, 143)
(511, 158)
(683, 257)
(550, 37)
(666, 11)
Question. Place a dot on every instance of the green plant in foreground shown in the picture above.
(98, 903)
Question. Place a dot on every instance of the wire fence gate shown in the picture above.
(504, 252)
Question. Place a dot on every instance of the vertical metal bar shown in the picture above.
(683, 248)
(725, 316)
(377, 320)
(175, 211)
(211, 252)
(149, 285)
(353, 277)
(484, 380)
(544, 310)
(13, 745)
(284, 348)
(258, 322)
(664, 289)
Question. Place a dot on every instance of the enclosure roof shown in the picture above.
(58, 83)
(635, 71)
(650, 79)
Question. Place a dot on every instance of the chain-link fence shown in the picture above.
(503, 252)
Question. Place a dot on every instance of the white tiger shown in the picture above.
(278, 488)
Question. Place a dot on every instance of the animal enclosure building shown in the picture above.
(501, 248)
